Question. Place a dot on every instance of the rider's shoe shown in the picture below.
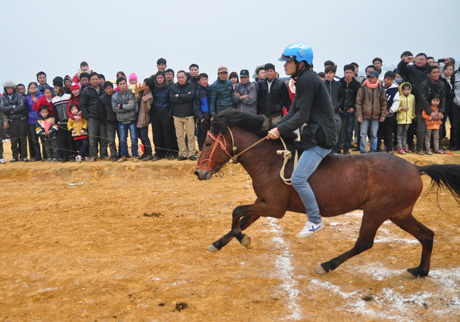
(309, 229)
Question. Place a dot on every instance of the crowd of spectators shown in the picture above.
(86, 117)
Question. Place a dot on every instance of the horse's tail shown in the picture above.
(444, 175)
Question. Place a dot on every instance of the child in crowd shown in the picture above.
(78, 127)
(84, 68)
(46, 128)
(405, 115)
(134, 87)
(74, 99)
(45, 100)
(432, 125)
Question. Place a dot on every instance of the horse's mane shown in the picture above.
(247, 121)
(244, 120)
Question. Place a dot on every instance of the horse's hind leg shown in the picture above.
(371, 222)
(237, 226)
(425, 236)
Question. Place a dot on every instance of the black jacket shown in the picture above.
(182, 106)
(413, 74)
(333, 88)
(90, 104)
(425, 90)
(271, 104)
(312, 106)
(13, 107)
(348, 93)
(106, 101)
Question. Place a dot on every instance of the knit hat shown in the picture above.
(74, 86)
(66, 78)
(9, 83)
(133, 76)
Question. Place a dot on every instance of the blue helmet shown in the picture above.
(298, 51)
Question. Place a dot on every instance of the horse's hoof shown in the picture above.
(246, 241)
(212, 249)
(408, 275)
(320, 270)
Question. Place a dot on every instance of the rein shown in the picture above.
(222, 143)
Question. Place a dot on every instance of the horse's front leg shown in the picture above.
(237, 226)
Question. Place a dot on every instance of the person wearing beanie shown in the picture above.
(134, 86)
(74, 99)
(67, 84)
(12, 105)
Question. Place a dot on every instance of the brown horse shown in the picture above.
(382, 185)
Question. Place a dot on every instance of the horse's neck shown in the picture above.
(259, 158)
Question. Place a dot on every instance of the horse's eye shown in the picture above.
(208, 144)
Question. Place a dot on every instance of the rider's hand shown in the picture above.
(273, 134)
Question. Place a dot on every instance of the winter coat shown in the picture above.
(371, 103)
(221, 96)
(32, 115)
(161, 104)
(393, 100)
(90, 104)
(43, 102)
(79, 125)
(13, 106)
(348, 93)
(272, 104)
(312, 106)
(405, 117)
(430, 123)
(248, 104)
(40, 127)
(413, 74)
(426, 89)
(201, 102)
(60, 108)
(182, 106)
(333, 88)
(127, 112)
(106, 101)
(143, 118)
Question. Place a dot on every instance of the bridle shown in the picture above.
(222, 143)
(233, 158)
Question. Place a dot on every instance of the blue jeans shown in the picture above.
(144, 133)
(123, 131)
(307, 164)
(371, 126)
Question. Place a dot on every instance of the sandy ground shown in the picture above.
(128, 243)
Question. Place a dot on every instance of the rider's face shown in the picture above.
(290, 67)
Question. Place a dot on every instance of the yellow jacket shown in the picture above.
(78, 126)
(403, 117)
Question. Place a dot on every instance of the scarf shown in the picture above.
(373, 86)
(161, 87)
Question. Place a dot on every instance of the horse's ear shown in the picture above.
(218, 124)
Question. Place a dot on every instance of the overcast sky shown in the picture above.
(55, 36)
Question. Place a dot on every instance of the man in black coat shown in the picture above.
(272, 96)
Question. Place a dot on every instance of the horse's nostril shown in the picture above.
(196, 173)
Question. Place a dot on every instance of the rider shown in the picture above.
(312, 107)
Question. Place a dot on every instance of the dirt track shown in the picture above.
(129, 244)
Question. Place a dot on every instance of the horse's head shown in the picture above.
(214, 155)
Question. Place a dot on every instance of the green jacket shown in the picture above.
(221, 96)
